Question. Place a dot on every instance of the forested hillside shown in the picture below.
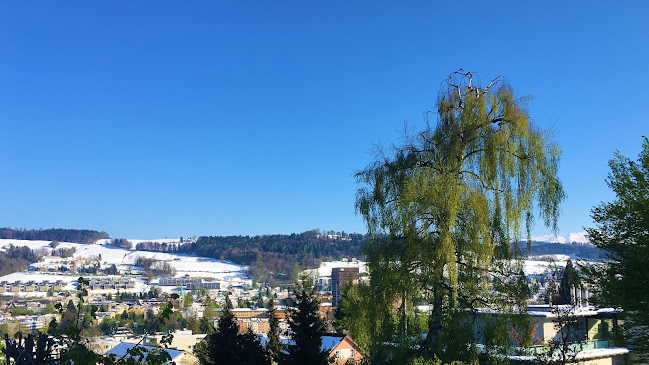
(53, 234)
(271, 257)
(587, 252)
(16, 259)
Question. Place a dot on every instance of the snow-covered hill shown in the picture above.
(579, 238)
(195, 266)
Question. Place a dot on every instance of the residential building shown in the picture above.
(340, 276)
(177, 356)
(342, 349)
(593, 329)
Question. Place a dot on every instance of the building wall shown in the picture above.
(614, 360)
(257, 325)
(339, 276)
(250, 313)
(345, 347)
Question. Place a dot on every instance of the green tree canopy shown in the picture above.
(622, 232)
(445, 205)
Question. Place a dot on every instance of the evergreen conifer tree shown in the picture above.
(227, 346)
(222, 344)
(621, 232)
(569, 280)
(251, 350)
(274, 346)
(307, 329)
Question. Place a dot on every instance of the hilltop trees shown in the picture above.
(444, 206)
(121, 243)
(54, 234)
(621, 231)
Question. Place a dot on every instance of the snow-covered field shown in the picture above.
(198, 267)
(325, 268)
(538, 265)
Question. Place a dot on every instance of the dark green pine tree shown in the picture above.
(569, 280)
(227, 346)
(307, 329)
(274, 345)
(621, 232)
(251, 350)
(222, 345)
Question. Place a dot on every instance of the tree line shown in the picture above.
(53, 234)
(16, 258)
(272, 258)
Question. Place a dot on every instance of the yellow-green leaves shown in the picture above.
(448, 202)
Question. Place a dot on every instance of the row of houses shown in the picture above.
(190, 283)
(31, 286)
(341, 348)
(58, 263)
(110, 283)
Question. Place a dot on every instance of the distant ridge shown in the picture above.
(85, 236)
(580, 251)
(580, 238)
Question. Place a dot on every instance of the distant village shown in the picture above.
(120, 291)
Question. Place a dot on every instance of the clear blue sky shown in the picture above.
(180, 118)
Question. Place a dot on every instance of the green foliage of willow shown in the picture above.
(445, 204)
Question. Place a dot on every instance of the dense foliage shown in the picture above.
(622, 232)
(16, 259)
(306, 330)
(157, 246)
(444, 207)
(227, 346)
(121, 243)
(153, 267)
(53, 234)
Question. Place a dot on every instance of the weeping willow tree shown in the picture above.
(444, 207)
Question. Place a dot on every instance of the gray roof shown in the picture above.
(120, 350)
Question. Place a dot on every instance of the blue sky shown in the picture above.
(167, 118)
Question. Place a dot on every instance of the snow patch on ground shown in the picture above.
(537, 267)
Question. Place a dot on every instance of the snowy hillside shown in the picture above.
(579, 238)
(135, 242)
(184, 264)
